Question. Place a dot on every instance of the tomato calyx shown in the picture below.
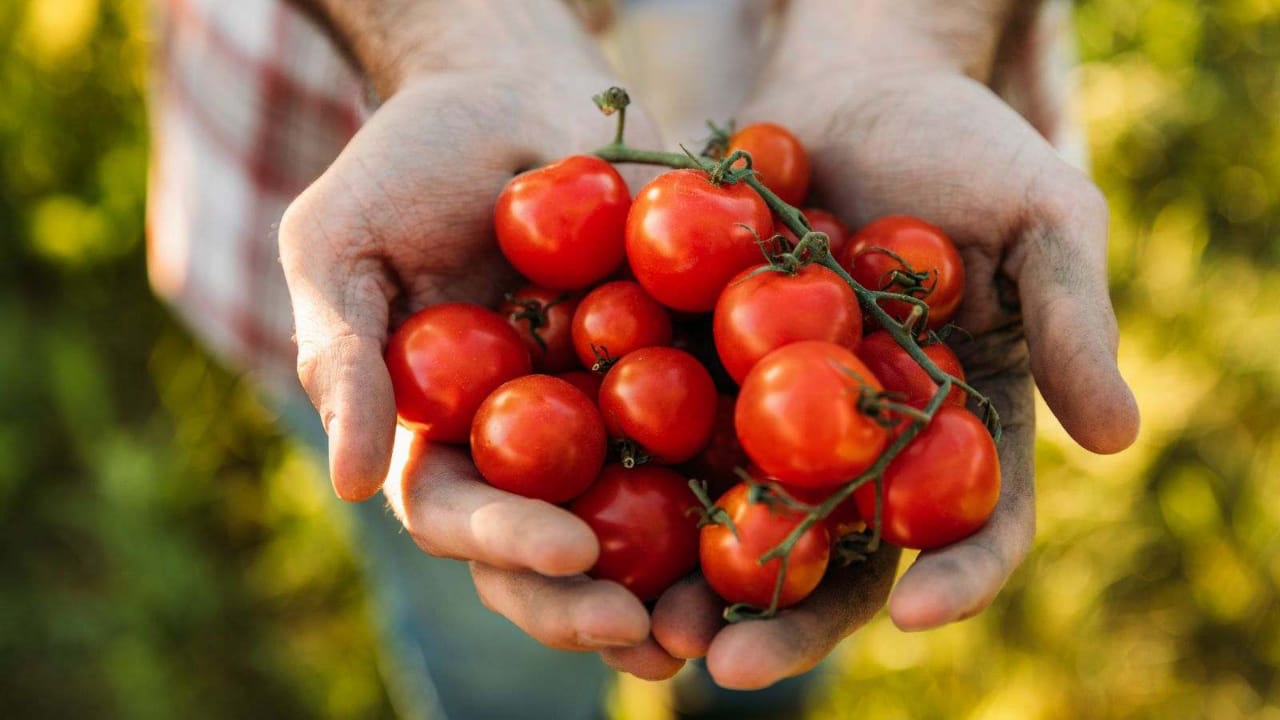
(604, 360)
(630, 454)
(710, 513)
(854, 547)
(534, 312)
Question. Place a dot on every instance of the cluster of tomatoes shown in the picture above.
(686, 333)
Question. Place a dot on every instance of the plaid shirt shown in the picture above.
(251, 102)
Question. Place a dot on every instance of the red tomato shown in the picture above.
(543, 318)
(562, 225)
(718, 462)
(762, 310)
(924, 248)
(821, 221)
(900, 374)
(648, 533)
(942, 487)
(615, 319)
(540, 437)
(444, 361)
(661, 399)
(731, 564)
(685, 237)
(778, 159)
(587, 382)
(798, 415)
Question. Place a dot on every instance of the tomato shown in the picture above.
(900, 374)
(444, 361)
(844, 519)
(661, 399)
(942, 487)
(731, 564)
(615, 319)
(798, 415)
(761, 310)
(723, 456)
(646, 521)
(686, 237)
(778, 159)
(587, 382)
(562, 225)
(823, 222)
(924, 248)
(543, 318)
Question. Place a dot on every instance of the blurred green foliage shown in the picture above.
(165, 552)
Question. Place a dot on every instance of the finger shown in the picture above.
(340, 303)
(687, 617)
(1070, 326)
(959, 581)
(754, 654)
(647, 661)
(451, 512)
(573, 613)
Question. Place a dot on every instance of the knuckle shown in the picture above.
(1071, 199)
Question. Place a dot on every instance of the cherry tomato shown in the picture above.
(718, 463)
(730, 563)
(645, 521)
(543, 318)
(540, 437)
(587, 382)
(777, 157)
(821, 221)
(761, 310)
(615, 319)
(661, 399)
(942, 487)
(924, 248)
(686, 237)
(562, 225)
(444, 361)
(900, 374)
(799, 419)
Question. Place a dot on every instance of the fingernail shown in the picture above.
(596, 642)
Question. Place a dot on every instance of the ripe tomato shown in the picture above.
(823, 222)
(762, 310)
(777, 157)
(661, 399)
(685, 237)
(444, 361)
(798, 415)
(543, 318)
(615, 319)
(924, 248)
(902, 375)
(643, 520)
(562, 225)
(587, 382)
(942, 486)
(719, 460)
(731, 564)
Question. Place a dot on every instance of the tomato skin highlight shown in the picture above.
(540, 437)
(562, 225)
(617, 318)
(821, 221)
(924, 247)
(900, 374)
(444, 360)
(662, 399)
(778, 158)
(555, 353)
(685, 237)
(798, 418)
(644, 520)
(731, 565)
(587, 382)
(762, 310)
(942, 487)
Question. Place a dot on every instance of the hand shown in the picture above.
(896, 126)
(401, 220)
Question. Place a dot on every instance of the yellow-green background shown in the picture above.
(165, 553)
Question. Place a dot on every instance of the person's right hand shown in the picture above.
(402, 220)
